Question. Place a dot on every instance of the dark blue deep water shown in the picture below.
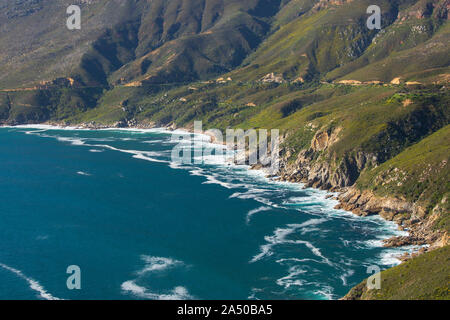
(140, 227)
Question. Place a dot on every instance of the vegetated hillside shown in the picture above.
(425, 277)
(36, 44)
(163, 41)
(365, 112)
(154, 46)
(419, 174)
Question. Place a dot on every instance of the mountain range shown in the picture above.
(364, 112)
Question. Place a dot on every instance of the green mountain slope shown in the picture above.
(364, 112)
(418, 174)
(36, 44)
(423, 278)
(167, 41)
(411, 48)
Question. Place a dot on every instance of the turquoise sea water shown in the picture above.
(140, 227)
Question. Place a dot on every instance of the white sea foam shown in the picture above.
(255, 211)
(346, 275)
(291, 278)
(33, 284)
(137, 154)
(309, 200)
(280, 235)
(102, 139)
(345, 242)
(177, 293)
(155, 265)
(82, 173)
(154, 141)
(253, 294)
(41, 126)
(374, 243)
(325, 292)
(282, 261)
(390, 257)
(72, 128)
(73, 141)
(158, 264)
(318, 231)
(258, 195)
(213, 179)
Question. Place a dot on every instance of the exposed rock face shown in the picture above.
(272, 78)
(323, 139)
(320, 174)
(350, 82)
(315, 169)
(408, 216)
(365, 203)
(396, 80)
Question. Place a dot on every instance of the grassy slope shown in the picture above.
(33, 51)
(410, 47)
(175, 41)
(417, 63)
(418, 174)
(315, 43)
(425, 277)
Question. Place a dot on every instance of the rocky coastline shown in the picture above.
(409, 217)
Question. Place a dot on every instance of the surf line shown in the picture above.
(33, 284)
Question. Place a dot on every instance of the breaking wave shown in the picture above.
(155, 265)
(33, 284)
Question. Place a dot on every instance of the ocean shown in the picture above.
(142, 227)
